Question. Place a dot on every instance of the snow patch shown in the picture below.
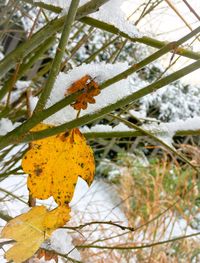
(121, 127)
(137, 114)
(190, 124)
(6, 126)
(61, 242)
(33, 102)
(1, 55)
(22, 84)
(163, 131)
(166, 131)
(97, 128)
(113, 13)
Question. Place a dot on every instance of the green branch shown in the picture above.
(55, 25)
(144, 40)
(42, 35)
(164, 50)
(156, 138)
(112, 29)
(35, 56)
(18, 135)
(55, 67)
(66, 101)
(134, 133)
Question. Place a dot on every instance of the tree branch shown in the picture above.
(55, 68)
(99, 223)
(43, 34)
(18, 134)
(134, 133)
(144, 40)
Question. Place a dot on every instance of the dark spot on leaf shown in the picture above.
(38, 170)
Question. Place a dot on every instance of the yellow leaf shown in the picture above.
(54, 164)
(29, 230)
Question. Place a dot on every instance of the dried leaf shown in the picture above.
(48, 255)
(29, 230)
(91, 89)
(54, 164)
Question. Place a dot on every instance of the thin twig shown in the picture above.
(122, 247)
(191, 9)
(101, 223)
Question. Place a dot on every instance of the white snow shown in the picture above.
(1, 55)
(20, 87)
(121, 127)
(23, 84)
(113, 13)
(173, 102)
(137, 114)
(6, 126)
(106, 128)
(100, 72)
(97, 203)
(33, 102)
(89, 204)
(166, 131)
(163, 131)
(97, 128)
(61, 242)
(190, 124)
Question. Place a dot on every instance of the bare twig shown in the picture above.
(100, 222)
(191, 9)
(125, 247)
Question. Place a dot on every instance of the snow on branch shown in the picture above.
(99, 72)
(164, 131)
(111, 13)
